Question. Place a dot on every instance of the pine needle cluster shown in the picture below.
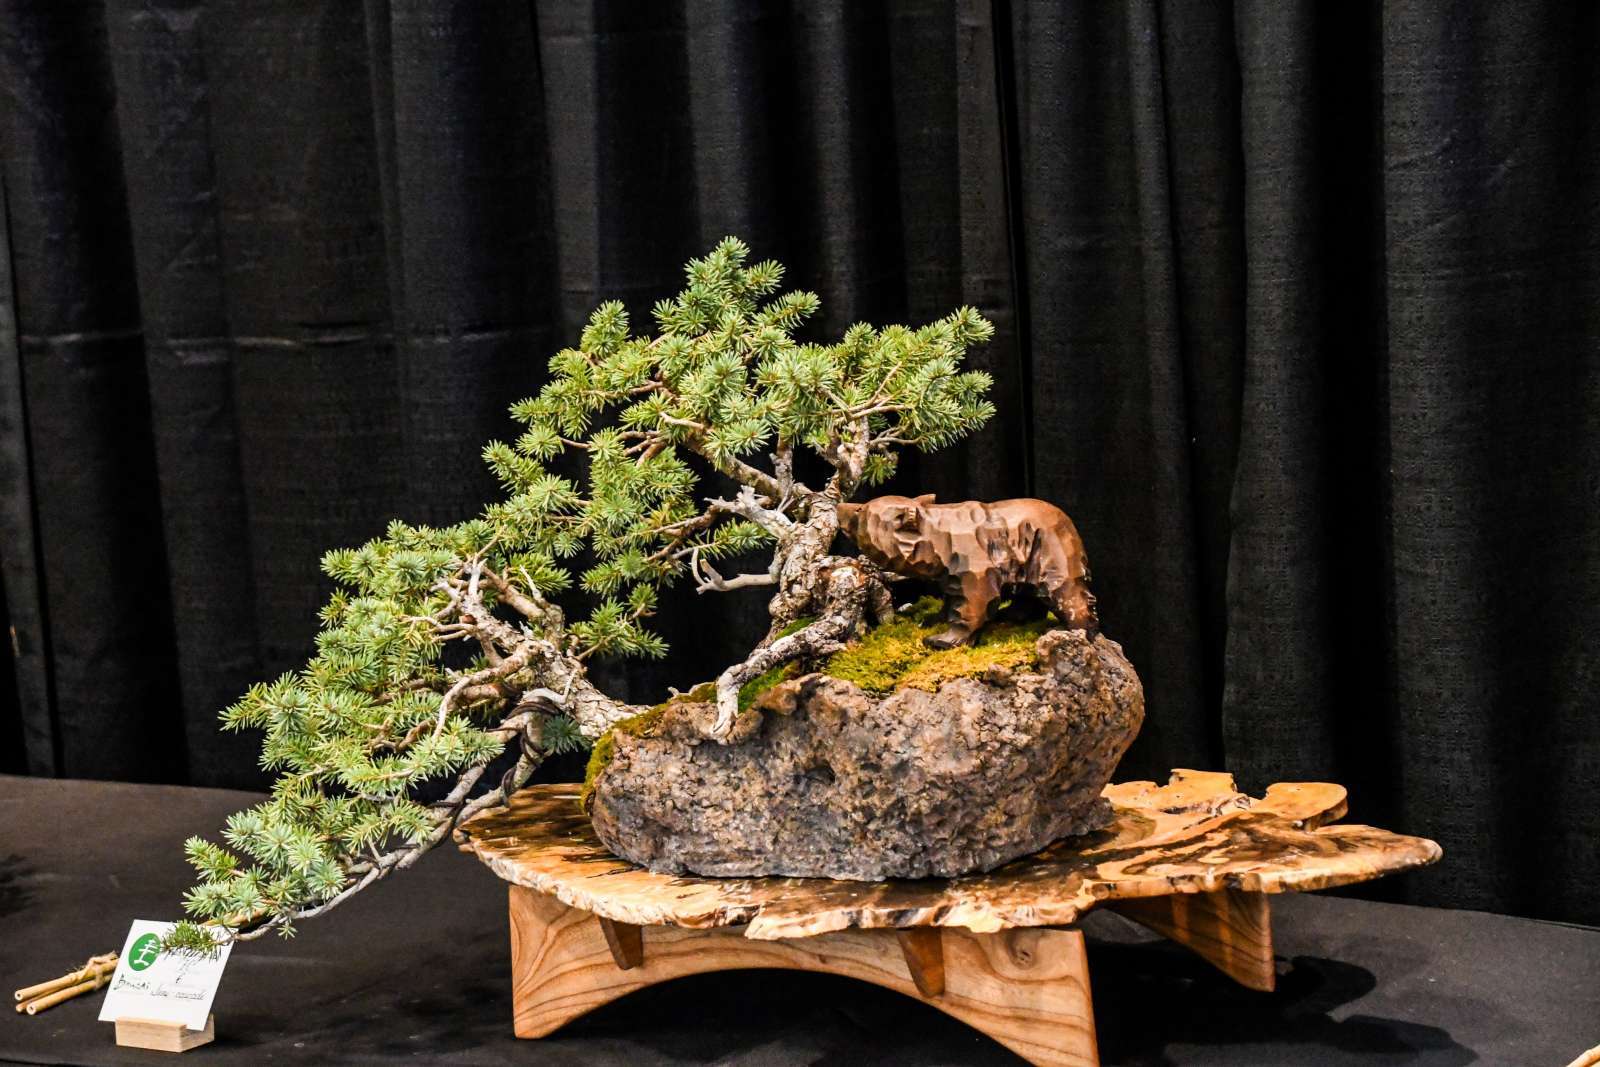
(380, 710)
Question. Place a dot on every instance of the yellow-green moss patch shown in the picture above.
(762, 682)
(892, 656)
(781, 673)
(606, 747)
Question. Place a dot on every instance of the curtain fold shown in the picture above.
(165, 123)
(26, 703)
(1112, 441)
(1297, 311)
(1491, 203)
(99, 564)
(1412, 591)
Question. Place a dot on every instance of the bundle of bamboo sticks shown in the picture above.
(86, 979)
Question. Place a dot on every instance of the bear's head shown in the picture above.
(892, 531)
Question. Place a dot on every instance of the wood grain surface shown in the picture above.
(1026, 988)
(923, 949)
(1195, 834)
(160, 1035)
(1229, 929)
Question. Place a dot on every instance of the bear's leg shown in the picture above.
(969, 598)
(1075, 604)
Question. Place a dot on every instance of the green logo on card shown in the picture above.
(144, 952)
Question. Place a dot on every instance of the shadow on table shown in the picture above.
(766, 1016)
(1139, 990)
(1151, 1000)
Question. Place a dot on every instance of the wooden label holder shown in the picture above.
(160, 1035)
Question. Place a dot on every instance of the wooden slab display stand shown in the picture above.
(1193, 860)
(160, 1035)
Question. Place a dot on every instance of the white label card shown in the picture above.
(150, 983)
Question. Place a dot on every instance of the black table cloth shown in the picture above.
(417, 969)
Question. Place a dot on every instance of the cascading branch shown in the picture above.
(444, 646)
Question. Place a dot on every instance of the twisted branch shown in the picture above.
(846, 596)
(707, 580)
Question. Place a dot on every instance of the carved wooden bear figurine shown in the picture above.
(976, 551)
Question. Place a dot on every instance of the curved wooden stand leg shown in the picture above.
(1229, 929)
(1026, 988)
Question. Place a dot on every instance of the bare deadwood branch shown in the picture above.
(707, 580)
(747, 505)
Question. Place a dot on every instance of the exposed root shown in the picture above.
(849, 588)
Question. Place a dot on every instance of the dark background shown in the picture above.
(1296, 303)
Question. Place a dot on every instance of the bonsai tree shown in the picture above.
(442, 647)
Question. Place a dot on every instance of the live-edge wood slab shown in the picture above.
(1193, 860)
(1196, 834)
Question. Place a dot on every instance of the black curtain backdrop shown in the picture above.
(1297, 306)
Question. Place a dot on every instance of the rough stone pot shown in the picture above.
(825, 780)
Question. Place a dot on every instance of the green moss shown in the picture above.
(799, 624)
(698, 695)
(782, 672)
(606, 747)
(762, 682)
(892, 656)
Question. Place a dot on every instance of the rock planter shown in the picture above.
(826, 779)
